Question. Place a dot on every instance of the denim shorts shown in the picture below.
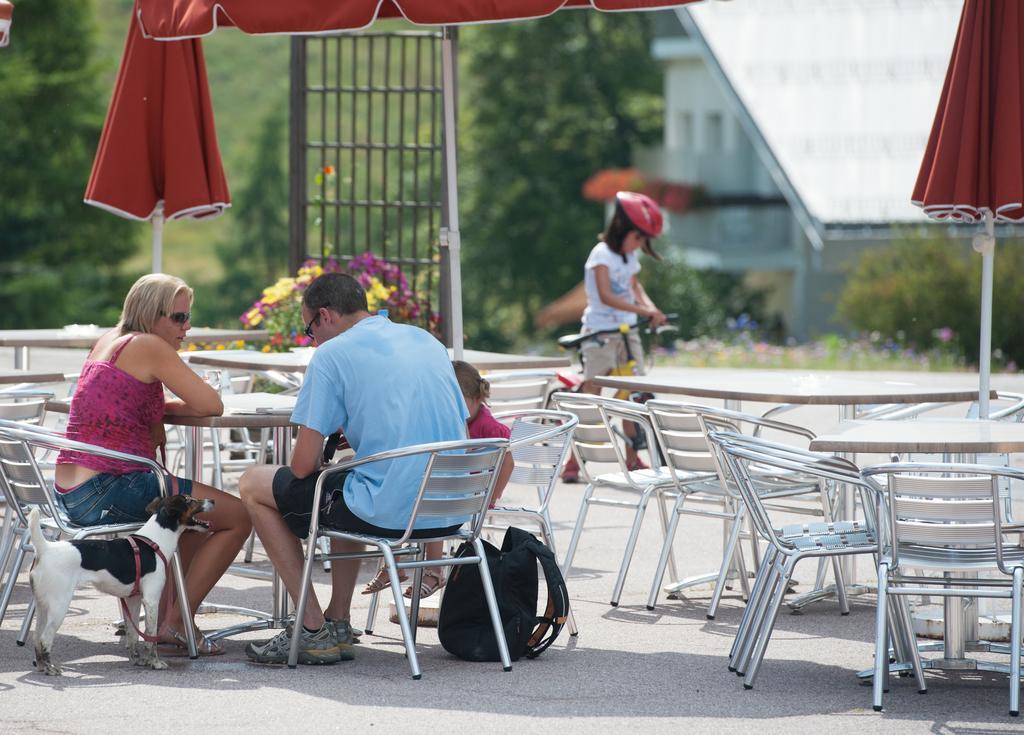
(104, 498)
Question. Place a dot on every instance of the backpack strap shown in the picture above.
(556, 612)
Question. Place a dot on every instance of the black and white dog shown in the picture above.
(131, 569)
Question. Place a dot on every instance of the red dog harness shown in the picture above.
(133, 542)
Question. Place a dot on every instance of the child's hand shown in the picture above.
(657, 317)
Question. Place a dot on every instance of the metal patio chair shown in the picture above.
(957, 520)
(23, 407)
(25, 487)
(519, 390)
(539, 444)
(595, 442)
(788, 544)
(681, 430)
(458, 481)
(779, 493)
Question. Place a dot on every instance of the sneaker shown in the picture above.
(320, 647)
(356, 633)
(345, 636)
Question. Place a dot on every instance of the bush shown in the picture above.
(706, 301)
(925, 292)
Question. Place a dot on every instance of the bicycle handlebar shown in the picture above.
(573, 341)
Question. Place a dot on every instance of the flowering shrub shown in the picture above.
(238, 344)
(831, 352)
(279, 309)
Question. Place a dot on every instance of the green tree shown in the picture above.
(59, 258)
(703, 301)
(545, 104)
(257, 253)
(909, 290)
(923, 290)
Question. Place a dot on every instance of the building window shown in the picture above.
(714, 140)
(684, 131)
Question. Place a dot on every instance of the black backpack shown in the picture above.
(464, 623)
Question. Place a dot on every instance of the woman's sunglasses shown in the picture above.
(180, 317)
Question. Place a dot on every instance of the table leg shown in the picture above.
(194, 453)
(278, 615)
(737, 570)
(847, 563)
(960, 636)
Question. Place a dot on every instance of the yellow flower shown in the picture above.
(377, 293)
(221, 346)
(265, 348)
(254, 317)
(279, 291)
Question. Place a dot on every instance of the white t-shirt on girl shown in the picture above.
(598, 316)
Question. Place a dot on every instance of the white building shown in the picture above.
(803, 123)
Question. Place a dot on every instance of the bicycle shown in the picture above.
(631, 434)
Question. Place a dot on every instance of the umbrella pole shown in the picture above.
(450, 237)
(985, 243)
(158, 238)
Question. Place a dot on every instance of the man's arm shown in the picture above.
(308, 451)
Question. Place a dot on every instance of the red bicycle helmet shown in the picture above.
(641, 211)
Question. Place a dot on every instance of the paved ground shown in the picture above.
(630, 668)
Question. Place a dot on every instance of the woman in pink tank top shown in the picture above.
(119, 404)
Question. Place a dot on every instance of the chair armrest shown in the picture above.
(42, 437)
(25, 393)
(567, 422)
(519, 375)
(414, 450)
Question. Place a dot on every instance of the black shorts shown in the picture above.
(294, 499)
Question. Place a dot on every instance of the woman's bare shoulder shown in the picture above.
(106, 345)
(150, 345)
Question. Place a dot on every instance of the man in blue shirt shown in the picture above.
(387, 386)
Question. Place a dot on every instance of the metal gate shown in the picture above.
(365, 151)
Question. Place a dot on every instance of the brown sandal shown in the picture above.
(380, 581)
(178, 645)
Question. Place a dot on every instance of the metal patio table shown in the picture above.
(17, 377)
(298, 360)
(964, 438)
(84, 336)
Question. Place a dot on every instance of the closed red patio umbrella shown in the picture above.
(172, 20)
(973, 167)
(158, 155)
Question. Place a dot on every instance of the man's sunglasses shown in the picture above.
(309, 327)
(180, 317)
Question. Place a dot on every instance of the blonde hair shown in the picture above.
(470, 382)
(150, 298)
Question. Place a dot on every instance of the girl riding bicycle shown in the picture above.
(615, 296)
